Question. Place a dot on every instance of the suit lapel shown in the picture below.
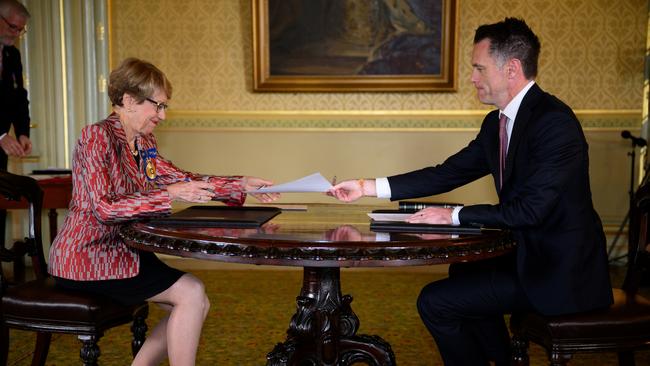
(11, 69)
(524, 115)
(7, 73)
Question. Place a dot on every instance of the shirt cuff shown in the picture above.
(382, 236)
(454, 216)
(382, 187)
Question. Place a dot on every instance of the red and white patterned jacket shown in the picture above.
(110, 190)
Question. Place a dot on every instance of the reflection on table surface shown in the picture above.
(320, 223)
(334, 235)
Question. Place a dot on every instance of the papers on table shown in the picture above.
(405, 211)
(392, 217)
(311, 183)
(396, 222)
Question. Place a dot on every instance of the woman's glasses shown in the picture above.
(159, 105)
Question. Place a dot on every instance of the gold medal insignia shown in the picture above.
(150, 169)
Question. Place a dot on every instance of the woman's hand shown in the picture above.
(253, 183)
(192, 191)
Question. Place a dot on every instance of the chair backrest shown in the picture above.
(639, 248)
(15, 187)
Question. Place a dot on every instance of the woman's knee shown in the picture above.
(193, 294)
(192, 290)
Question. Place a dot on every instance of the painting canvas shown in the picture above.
(354, 45)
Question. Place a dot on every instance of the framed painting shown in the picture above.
(354, 45)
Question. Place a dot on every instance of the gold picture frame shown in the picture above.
(349, 46)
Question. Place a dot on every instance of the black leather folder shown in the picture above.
(51, 171)
(219, 216)
(404, 227)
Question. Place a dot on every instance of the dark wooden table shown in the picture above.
(321, 240)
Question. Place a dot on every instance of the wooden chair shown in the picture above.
(623, 328)
(40, 306)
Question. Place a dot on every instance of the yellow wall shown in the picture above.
(592, 54)
(592, 58)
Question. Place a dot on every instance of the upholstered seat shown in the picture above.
(40, 306)
(623, 327)
(626, 321)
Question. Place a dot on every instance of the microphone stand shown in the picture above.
(632, 155)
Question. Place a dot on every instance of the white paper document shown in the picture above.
(398, 217)
(311, 183)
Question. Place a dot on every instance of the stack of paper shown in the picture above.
(393, 217)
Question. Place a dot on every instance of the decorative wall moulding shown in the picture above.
(381, 121)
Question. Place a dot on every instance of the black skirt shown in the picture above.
(153, 278)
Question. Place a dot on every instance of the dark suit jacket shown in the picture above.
(14, 106)
(545, 200)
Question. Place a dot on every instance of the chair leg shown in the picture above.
(89, 350)
(42, 348)
(19, 249)
(4, 345)
(139, 330)
(558, 359)
(519, 347)
(626, 358)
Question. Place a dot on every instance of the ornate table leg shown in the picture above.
(323, 329)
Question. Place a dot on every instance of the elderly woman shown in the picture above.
(119, 177)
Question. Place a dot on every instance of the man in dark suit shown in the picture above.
(534, 147)
(14, 107)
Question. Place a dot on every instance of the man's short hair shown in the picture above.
(8, 5)
(512, 38)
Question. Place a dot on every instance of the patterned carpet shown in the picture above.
(251, 311)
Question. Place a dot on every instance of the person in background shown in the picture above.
(535, 149)
(14, 106)
(120, 177)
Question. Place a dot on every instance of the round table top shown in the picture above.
(324, 235)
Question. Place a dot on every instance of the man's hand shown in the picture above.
(26, 144)
(432, 215)
(352, 190)
(12, 147)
